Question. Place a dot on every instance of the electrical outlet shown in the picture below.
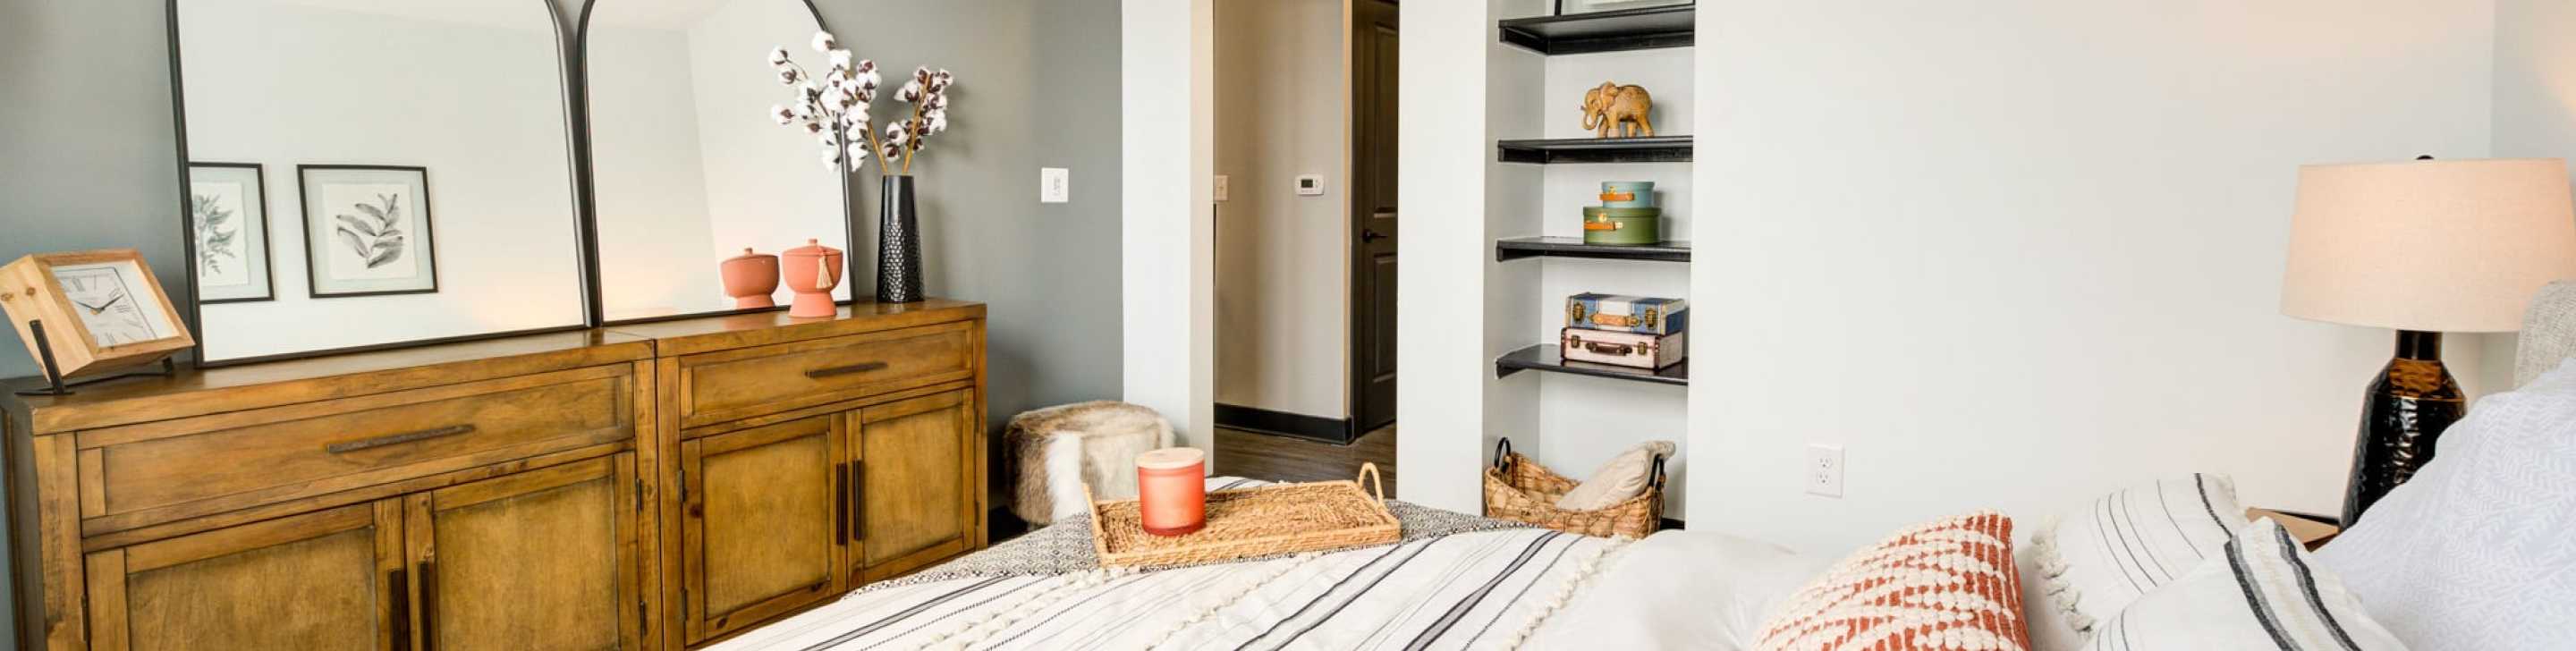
(1055, 185)
(1221, 187)
(1823, 473)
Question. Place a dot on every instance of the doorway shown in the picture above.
(1304, 183)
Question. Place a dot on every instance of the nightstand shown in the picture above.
(2311, 531)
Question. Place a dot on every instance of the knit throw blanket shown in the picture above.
(1065, 547)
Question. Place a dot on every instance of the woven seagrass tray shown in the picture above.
(1251, 522)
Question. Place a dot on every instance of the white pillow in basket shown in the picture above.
(2257, 591)
(1624, 477)
(2097, 560)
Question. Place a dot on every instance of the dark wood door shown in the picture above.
(764, 523)
(1373, 219)
(918, 493)
(326, 580)
(543, 559)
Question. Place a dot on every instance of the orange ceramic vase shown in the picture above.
(812, 271)
(1171, 490)
(750, 279)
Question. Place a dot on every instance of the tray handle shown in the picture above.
(1368, 472)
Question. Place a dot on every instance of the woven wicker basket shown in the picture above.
(1251, 522)
(1521, 490)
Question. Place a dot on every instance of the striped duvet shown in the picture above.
(1486, 589)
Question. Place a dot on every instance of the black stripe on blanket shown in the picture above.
(1456, 611)
(2254, 597)
(901, 615)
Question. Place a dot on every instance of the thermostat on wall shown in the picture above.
(1310, 185)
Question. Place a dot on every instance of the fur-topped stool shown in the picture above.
(1058, 449)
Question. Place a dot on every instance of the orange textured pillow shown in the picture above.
(1947, 584)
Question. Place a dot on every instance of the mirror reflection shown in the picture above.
(367, 172)
(688, 168)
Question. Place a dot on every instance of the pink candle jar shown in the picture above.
(1171, 490)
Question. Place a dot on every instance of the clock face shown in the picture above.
(115, 302)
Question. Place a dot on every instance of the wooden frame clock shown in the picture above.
(101, 311)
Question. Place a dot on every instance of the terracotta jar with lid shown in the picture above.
(750, 279)
(812, 271)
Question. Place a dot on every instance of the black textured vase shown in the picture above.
(2409, 405)
(898, 244)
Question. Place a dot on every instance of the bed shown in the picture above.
(2487, 581)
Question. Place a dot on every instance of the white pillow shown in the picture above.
(1679, 590)
(2097, 560)
(2049, 630)
(2478, 550)
(2257, 592)
(1622, 478)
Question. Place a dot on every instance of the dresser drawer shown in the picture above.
(164, 470)
(736, 384)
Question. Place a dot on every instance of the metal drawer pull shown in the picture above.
(394, 439)
(821, 373)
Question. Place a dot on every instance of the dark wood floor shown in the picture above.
(1281, 458)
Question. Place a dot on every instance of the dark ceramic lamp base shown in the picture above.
(2408, 406)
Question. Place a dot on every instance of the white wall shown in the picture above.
(477, 103)
(2535, 111)
(1166, 242)
(1282, 259)
(2013, 256)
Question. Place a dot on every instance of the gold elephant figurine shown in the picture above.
(1622, 106)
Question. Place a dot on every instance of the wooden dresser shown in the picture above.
(652, 486)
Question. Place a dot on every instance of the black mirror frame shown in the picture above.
(585, 185)
(576, 129)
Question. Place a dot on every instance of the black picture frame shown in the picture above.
(312, 265)
(268, 256)
(586, 188)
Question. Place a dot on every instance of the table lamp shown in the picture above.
(2422, 247)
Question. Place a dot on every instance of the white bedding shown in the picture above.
(1486, 590)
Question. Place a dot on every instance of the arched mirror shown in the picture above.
(687, 168)
(366, 173)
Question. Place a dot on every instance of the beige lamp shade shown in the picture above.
(2430, 245)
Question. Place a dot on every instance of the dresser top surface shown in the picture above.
(203, 390)
(703, 334)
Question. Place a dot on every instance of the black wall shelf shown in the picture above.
(1509, 249)
(1546, 357)
(1658, 149)
(1604, 31)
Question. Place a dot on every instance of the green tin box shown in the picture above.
(1622, 225)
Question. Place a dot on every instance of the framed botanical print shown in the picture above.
(228, 220)
(367, 230)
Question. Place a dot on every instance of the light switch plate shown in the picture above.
(1221, 187)
(1310, 185)
(1055, 185)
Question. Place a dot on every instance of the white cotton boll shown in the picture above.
(841, 59)
(788, 77)
(858, 152)
(823, 42)
(832, 159)
(782, 114)
(777, 56)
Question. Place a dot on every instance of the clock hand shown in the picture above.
(102, 307)
(86, 306)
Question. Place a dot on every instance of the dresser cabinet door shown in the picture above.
(764, 521)
(325, 580)
(539, 560)
(920, 501)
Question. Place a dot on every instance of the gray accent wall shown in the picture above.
(88, 160)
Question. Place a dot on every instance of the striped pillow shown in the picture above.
(2098, 560)
(2256, 592)
(1947, 584)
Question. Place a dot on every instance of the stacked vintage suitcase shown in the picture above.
(1631, 331)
